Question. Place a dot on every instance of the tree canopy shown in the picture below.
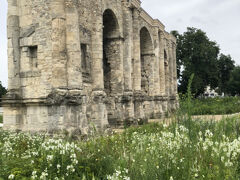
(233, 85)
(3, 90)
(196, 54)
(225, 67)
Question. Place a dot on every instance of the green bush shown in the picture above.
(1, 119)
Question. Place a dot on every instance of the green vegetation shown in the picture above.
(233, 85)
(1, 119)
(3, 90)
(197, 54)
(185, 150)
(214, 106)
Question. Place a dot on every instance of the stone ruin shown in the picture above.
(77, 63)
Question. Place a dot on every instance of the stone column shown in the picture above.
(73, 47)
(59, 57)
(170, 62)
(13, 33)
(166, 62)
(128, 40)
(175, 69)
(97, 54)
(12, 114)
(99, 114)
(156, 61)
(136, 52)
(161, 63)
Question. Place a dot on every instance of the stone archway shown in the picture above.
(147, 62)
(112, 66)
(111, 53)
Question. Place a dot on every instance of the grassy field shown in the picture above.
(215, 106)
(184, 150)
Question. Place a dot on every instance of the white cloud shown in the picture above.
(218, 18)
(3, 43)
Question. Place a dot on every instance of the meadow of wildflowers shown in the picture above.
(184, 150)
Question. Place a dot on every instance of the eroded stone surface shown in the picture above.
(81, 64)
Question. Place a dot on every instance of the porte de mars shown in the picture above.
(74, 63)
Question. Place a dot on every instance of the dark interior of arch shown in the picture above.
(111, 53)
(110, 24)
(146, 47)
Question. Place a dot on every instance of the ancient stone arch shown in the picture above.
(147, 61)
(78, 64)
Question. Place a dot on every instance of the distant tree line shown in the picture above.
(198, 55)
(3, 90)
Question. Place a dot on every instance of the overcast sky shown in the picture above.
(218, 18)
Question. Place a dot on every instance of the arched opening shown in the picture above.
(147, 55)
(111, 51)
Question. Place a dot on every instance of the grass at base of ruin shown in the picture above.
(186, 150)
(214, 106)
(1, 119)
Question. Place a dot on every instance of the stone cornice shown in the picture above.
(170, 37)
(153, 22)
(136, 3)
(146, 17)
(159, 24)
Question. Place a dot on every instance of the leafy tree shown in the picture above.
(233, 85)
(179, 44)
(196, 54)
(225, 66)
(3, 90)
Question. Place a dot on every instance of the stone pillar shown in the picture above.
(13, 33)
(175, 69)
(97, 52)
(166, 63)
(59, 57)
(128, 40)
(156, 61)
(73, 44)
(136, 52)
(161, 63)
(170, 62)
(12, 114)
(99, 114)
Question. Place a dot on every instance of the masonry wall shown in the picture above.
(76, 64)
